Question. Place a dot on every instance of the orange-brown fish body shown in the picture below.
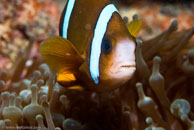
(82, 22)
(114, 60)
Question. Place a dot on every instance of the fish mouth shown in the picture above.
(123, 66)
(127, 66)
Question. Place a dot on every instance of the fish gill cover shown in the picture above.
(159, 96)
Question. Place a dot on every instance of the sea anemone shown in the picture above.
(159, 96)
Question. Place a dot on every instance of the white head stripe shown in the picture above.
(100, 30)
(67, 16)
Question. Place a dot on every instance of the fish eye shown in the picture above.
(106, 46)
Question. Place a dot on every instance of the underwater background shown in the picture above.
(159, 96)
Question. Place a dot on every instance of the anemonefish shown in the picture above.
(95, 49)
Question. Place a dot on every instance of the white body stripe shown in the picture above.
(100, 30)
(67, 16)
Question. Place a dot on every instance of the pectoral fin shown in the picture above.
(134, 27)
(60, 55)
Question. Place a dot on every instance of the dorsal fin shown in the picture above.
(134, 27)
